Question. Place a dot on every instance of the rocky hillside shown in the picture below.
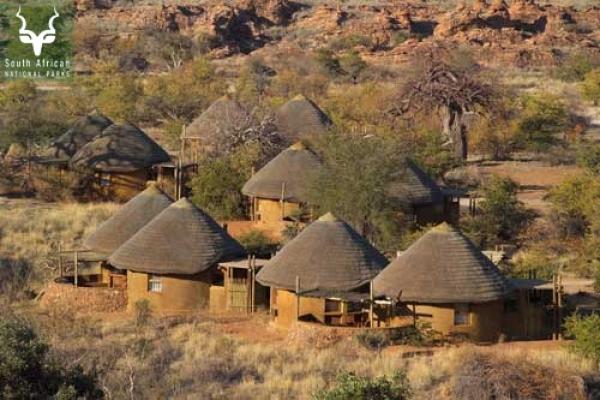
(522, 33)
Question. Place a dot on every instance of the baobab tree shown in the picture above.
(453, 93)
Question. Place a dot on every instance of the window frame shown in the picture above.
(462, 314)
(154, 279)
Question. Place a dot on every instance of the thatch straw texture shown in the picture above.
(83, 131)
(327, 256)
(414, 187)
(301, 117)
(222, 115)
(286, 175)
(120, 148)
(182, 239)
(130, 218)
(443, 266)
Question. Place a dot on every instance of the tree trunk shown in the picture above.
(454, 130)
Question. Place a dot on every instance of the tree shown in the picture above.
(501, 216)
(28, 372)
(216, 188)
(354, 183)
(453, 93)
(542, 116)
(590, 87)
(586, 332)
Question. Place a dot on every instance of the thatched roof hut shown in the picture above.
(222, 115)
(130, 218)
(328, 256)
(182, 239)
(83, 131)
(301, 117)
(286, 175)
(415, 187)
(443, 266)
(120, 148)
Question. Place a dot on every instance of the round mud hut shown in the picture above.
(83, 131)
(121, 161)
(422, 198)
(443, 279)
(300, 117)
(322, 275)
(223, 116)
(279, 189)
(172, 261)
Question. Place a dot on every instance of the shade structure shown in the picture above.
(182, 239)
(285, 177)
(301, 117)
(120, 148)
(327, 256)
(443, 266)
(415, 187)
(130, 218)
(83, 131)
(222, 115)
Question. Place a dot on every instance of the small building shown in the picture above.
(172, 261)
(120, 161)
(240, 293)
(322, 275)
(116, 230)
(443, 279)
(279, 189)
(422, 198)
(300, 117)
(223, 116)
(84, 130)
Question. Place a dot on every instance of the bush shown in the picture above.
(258, 243)
(590, 87)
(586, 334)
(574, 68)
(352, 387)
(372, 339)
(143, 313)
(542, 117)
(27, 371)
(588, 157)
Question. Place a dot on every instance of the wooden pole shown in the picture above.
(554, 302)
(60, 266)
(559, 298)
(76, 269)
(253, 267)
(371, 304)
(297, 298)
(282, 202)
(414, 312)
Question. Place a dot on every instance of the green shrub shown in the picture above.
(574, 68)
(349, 386)
(586, 334)
(542, 117)
(372, 339)
(28, 372)
(588, 157)
(348, 42)
(257, 242)
(590, 87)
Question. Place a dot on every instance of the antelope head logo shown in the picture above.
(37, 41)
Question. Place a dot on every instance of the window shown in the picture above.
(105, 179)
(154, 283)
(461, 314)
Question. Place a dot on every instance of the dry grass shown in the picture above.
(30, 231)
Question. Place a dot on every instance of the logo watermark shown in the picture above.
(36, 40)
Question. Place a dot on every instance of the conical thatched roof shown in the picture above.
(182, 239)
(292, 169)
(328, 256)
(222, 115)
(83, 131)
(415, 187)
(130, 218)
(300, 117)
(443, 266)
(120, 148)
